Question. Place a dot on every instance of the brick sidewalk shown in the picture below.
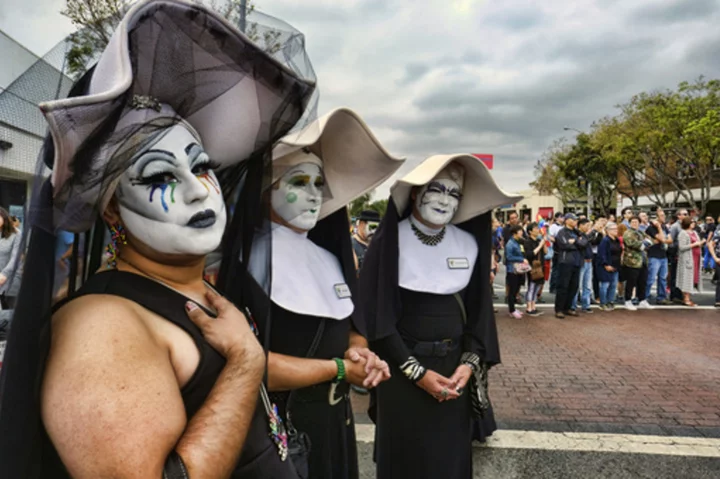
(646, 372)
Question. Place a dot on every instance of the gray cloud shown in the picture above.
(517, 20)
(676, 11)
(504, 78)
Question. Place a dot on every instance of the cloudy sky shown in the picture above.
(444, 76)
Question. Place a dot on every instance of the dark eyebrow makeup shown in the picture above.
(154, 155)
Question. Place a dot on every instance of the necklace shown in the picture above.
(426, 239)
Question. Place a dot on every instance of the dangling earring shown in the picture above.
(117, 236)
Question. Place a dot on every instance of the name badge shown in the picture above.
(458, 263)
(342, 291)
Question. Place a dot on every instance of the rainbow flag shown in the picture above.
(541, 223)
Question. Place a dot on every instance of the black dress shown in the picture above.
(333, 452)
(417, 436)
(259, 458)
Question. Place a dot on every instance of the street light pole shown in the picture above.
(243, 14)
(589, 190)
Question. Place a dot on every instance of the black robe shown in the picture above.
(333, 452)
(416, 436)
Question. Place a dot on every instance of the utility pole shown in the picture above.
(243, 15)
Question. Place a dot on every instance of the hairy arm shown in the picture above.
(112, 406)
(288, 372)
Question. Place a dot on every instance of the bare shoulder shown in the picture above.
(95, 310)
(110, 398)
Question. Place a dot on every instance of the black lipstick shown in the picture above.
(203, 219)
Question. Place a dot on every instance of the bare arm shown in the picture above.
(112, 405)
(362, 367)
(288, 372)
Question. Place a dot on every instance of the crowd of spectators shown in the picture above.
(641, 261)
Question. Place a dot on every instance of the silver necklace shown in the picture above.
(426, 239)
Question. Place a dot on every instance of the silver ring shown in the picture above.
(444, 393)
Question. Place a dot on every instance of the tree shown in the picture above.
(96, 20)
(363, 203)
(662, 144)
(359, 204)
(676, 134)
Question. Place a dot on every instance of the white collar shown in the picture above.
(445, 268)
(306, 279)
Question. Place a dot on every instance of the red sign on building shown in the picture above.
(485, 158)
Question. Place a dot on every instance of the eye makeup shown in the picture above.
(437, 187)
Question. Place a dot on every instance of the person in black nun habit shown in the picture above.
(129, 376)
(317, 347)
(427, 308)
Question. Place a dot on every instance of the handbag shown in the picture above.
(537, 272)
(521, 268)
(299, 443)
(551, 252)
(479, 396)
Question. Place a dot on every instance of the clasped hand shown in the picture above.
(434, 384)
(364, 368)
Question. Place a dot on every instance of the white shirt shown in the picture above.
(445, 268)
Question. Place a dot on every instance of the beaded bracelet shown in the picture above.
(412, 369)
(340, 370)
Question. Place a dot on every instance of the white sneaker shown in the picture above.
(629, 306)
(645, 305)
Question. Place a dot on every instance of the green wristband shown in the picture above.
(340, 369)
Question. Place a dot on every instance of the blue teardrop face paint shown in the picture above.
(170, 199)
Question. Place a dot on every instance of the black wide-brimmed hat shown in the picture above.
(369, 215)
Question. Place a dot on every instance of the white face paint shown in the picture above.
(298, 195)
(438, 201)
(170, 199)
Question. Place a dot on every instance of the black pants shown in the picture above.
(636, 279)
(675, 292)
(514, 282)
(568, 279)
(717, 285)
(595, 280)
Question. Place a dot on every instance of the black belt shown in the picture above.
(438, 349)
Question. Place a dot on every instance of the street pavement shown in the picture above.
(648, 376)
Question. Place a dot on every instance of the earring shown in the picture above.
(117, 236)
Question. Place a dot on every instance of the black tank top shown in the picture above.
(259, 458)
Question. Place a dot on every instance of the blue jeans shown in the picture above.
(708, 262)
(609, 289)
(585, 286)
(657, 269)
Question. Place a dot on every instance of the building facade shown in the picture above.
(25, 81)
